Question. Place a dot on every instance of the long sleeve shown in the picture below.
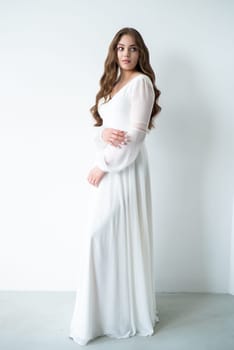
(113, 159)
(99, 142)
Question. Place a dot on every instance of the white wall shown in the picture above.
(51, 59)
(231, 280)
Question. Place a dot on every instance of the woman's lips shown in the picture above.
(126, 61)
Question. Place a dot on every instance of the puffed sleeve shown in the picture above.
(97, 137)
(114, 159)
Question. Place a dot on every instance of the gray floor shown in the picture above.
(40, 320)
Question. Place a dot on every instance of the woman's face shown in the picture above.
(127, 53)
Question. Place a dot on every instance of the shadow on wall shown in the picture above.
(180, 146)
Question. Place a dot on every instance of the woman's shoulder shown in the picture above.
(141, 76)
(140, 81)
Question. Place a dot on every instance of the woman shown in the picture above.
(116, 296)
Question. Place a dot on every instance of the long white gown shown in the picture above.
(116, 294)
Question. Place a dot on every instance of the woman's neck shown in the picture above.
(126, 75)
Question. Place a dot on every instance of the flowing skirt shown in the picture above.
(116, 292)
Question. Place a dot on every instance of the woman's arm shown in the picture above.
(117, 138)
(112, 159)
(111, 136)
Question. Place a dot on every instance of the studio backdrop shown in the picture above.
(52, 54)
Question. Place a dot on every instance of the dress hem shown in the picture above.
(112, 335)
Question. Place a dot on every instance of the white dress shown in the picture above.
(116, 294)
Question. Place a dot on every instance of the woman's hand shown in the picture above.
(114, 137)
(95, 176)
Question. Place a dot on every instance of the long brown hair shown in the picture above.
(110, 74)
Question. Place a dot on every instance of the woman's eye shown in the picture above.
(131, 49)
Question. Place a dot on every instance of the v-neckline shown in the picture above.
(128, 82)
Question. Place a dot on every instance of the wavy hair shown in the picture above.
(111, 68)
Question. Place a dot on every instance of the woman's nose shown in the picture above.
(126, 52)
